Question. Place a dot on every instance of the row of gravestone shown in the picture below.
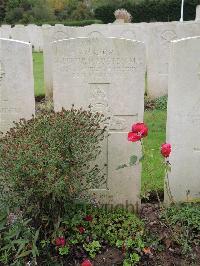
(30, 33)
(109, 74)
(156, 36)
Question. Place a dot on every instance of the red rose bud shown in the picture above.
(166, 149)
(60, 241)
(140, 129)
(88, 218)
(86, 263)
(81, 230)
(134, 137)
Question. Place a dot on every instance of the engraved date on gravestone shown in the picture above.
(7, 110)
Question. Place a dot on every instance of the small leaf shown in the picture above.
(133, 160)
(24, 254)
(121, 166)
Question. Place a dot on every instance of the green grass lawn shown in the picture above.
(38, 73)
(152, 170)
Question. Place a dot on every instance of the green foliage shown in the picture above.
(92, 248)
(111, 227)
(52, 159)
(28, 11)
(148, 10)
(184, 221)
(161, 103)
(18, 239)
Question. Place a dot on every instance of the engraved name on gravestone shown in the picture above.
(16, 83)
(109, 74)
(183, 125)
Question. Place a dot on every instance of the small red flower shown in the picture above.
(134, 137)
(86, 263)
(140, 129)
(81, 230)
(166, 149)
(60, 241)
(88, 218)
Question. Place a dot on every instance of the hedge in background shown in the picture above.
(150, 10)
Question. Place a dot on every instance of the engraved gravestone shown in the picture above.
(109, 74)
(16, 83)
(183, 125)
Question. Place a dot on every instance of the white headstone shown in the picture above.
(6, 31)
(183, 122)
(158, 38)
(198, 13)
(16, 83)
(20, 33)
(109, 74)
(51, 34)
(35, 37)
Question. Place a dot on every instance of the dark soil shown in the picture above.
(170, 255)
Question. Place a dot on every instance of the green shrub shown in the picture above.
(48, 162)
(161, 103)
(184, 221)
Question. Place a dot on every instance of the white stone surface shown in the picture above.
(51, 34)
(198, 13)
(108, 73)
(158, 37)
(5, 31)
(183, 121)
(16, 83)
(20, 33)
(35, 37)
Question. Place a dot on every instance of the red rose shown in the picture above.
(166, 149)
(88, 218)
(86, 263)
(60, 241)
(140, 129)
(133, 137)
(81, 230)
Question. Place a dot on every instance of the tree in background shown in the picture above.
(26, 11)
(2, 9)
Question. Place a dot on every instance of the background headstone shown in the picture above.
(198, 13)
(183, 121)
(35, 37)
(108, 73)
(16, 83)
(157, 38)
(20, 33)
(5, 31)
(51, 34)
